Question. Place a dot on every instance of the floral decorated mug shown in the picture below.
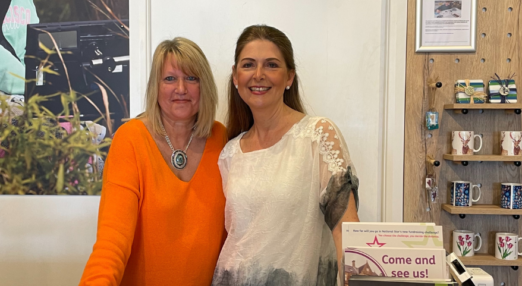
(464, 242)
(506, 246)
(462, 192)
(511, 196)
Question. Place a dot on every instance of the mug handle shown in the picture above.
(480, 147)
(479, 192)
(480, 242)
(519, 248)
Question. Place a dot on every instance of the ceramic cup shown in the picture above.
(464, 242)
(462, 194)
(506, 246)
(511, 196)
(510, 143)
(462, 142)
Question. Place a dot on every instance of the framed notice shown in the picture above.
(446, 26)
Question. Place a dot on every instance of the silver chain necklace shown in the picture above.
(179, 158)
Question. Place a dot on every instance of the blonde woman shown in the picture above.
(161, 218)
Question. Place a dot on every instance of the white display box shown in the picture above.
(383, 281)
(406, 235)
(408, 263)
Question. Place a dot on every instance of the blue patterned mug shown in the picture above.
(462, 193)
(511, 196)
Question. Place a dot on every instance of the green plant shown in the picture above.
(37, 156)
(41, 157)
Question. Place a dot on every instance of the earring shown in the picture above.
(236, 86)
(287, 87)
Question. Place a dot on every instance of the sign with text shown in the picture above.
(396, 262)
(379, 235)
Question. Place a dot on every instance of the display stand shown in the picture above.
(369, 281)
(498, 51)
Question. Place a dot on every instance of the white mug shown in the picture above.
(506, 246)
(464, 242)
(462, 142)
(510, 143)
(461, 194)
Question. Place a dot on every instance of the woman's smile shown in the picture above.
(259, 90)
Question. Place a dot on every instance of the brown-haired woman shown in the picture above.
(287, 176)
(161, 210)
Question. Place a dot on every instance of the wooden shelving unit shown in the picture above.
(482, 259)
(496, 53)
(481, 210)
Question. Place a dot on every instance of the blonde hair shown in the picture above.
(191, 60)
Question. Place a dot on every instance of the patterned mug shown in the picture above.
(462, 194)
(462, 142)
(511, 196)
(506, 246)
(464, 242)
(510, 143)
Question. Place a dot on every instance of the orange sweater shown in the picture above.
(154, 229)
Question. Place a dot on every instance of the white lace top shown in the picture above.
(281, 204)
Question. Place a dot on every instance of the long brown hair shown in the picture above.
(240, 117)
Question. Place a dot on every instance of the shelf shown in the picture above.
(489, 158)
(482, 259)
(482, 158)
(489, 106)
(480, 210)
(463, 108)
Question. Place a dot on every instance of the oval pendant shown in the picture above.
(179, 159)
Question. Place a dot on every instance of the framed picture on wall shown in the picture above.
(445, 26)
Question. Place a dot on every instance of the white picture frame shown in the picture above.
(446, 30)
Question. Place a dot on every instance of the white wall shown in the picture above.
(351, 60)
(45, 240)
(338, 47)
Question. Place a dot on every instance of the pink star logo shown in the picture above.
(375, 242)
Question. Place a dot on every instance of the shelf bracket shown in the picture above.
(511, 111)
(516, 216)
(462, 216)
(460, 111)
(514, 267)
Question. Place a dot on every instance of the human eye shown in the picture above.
(272, 65)
(191, 78)
(170, 78)
(247, 65)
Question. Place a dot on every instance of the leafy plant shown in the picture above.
(40, 157)
(37, 155)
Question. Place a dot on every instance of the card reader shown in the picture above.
(458, 270)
